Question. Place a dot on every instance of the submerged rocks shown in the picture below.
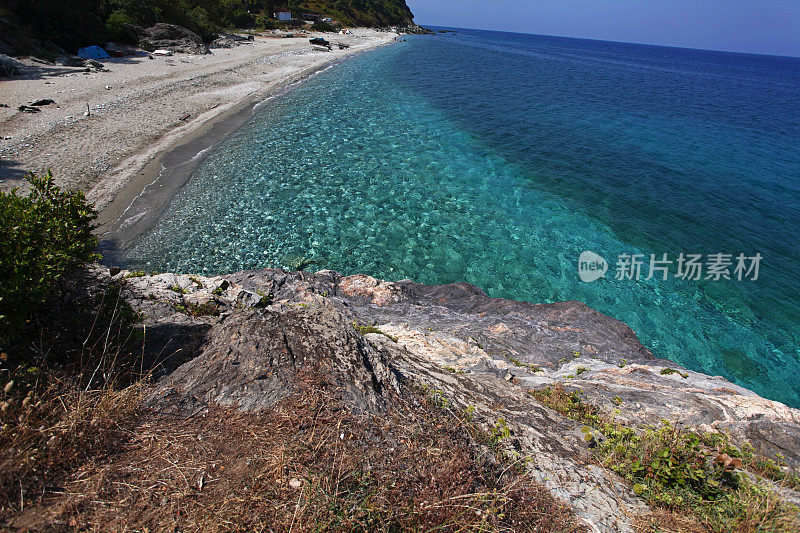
(170, 37)
(409, 29)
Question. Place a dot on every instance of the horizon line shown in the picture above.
(619, 42)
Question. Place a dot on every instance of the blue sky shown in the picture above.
(755, 26)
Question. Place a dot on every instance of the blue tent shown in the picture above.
(92, 52)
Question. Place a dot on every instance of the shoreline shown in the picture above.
(147, 114)
(136, 206)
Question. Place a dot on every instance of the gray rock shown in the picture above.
(252, 359)
(167, 37)
(230, 40)
(477, 352)
(247, 300)
(75, 61)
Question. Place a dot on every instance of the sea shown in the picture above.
(502, 160)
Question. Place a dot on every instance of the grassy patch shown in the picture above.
(530, 367)
(667, 371)
(310, 464)
(76, 396)
(363, 330)
(690, 474)
(197, 310)
(178, 289)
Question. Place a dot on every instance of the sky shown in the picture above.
(754, 26)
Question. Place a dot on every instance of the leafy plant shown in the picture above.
(44, 236)
(498, 433)
(680, 470)
(178, 289)
(323, 27)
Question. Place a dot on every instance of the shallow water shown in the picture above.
(498, 158)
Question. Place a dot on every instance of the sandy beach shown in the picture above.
(143, 108)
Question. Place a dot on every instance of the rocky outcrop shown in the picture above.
(15, 40)
(243, 338)
(167, 37)
(253, 357)
(230, 40)
(411, 29)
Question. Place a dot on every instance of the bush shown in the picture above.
(43, 237)
(323, 27)
(242, 19)
(696, 476)
(200, 22)
(264, 22)
(115, 25)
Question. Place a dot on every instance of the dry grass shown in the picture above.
(44, 435)
(70, 391)
(77, 451)
(664, 521)
(307, 465)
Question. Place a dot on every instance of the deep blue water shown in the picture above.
(497, 158)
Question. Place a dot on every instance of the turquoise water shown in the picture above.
(498, 158)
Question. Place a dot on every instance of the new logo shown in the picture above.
(591, 266)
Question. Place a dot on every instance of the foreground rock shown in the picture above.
(170, 37)
(240, 339)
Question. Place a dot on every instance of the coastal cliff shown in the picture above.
(242, 341)
(263, 399)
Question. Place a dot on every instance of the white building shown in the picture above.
(283, 15)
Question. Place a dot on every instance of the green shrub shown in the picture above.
(687, 472)
(241, 19)
(363, 330)
(264, 22)
(200, 22)
(115, 25)
(323, 27)
(43, 237)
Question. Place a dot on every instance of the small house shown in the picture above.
(283, 15)
(327, 20)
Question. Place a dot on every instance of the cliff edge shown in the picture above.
(241, 340)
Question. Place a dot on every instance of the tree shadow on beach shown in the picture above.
(39, 71)
(12, 173)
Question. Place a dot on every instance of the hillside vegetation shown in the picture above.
(75, 23)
